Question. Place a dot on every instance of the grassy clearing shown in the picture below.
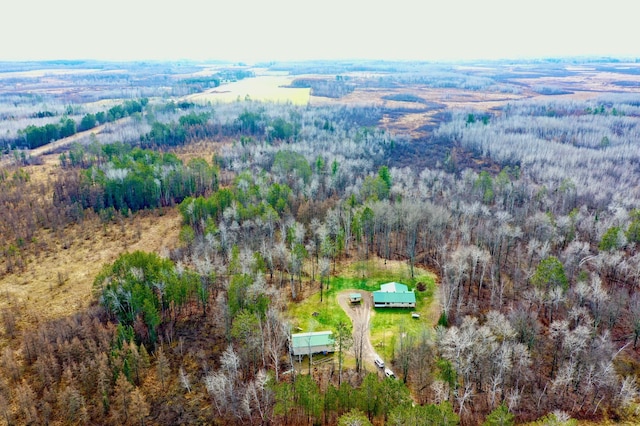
(266, 88)
(369, 274)
(329, 314)
(386, 324)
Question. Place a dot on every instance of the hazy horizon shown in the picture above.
(287, 30)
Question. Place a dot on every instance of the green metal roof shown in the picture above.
(389, 297)
(319, 338)
(394, 288)
(355, 296)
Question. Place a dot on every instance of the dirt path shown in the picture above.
(61, 143)
(360, 315)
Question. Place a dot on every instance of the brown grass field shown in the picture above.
(57, 280)
(586, 83)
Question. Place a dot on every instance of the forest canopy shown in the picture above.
(523, 214)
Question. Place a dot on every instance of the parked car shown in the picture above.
(389, 373)
(379, 362)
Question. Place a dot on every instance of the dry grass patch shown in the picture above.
(411, 124)
(204, 149)
(58, 280)
(415, 123)
(45, 171)
(59, 269)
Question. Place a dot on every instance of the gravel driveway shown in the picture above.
(360, 315)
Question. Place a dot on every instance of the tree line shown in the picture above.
(35, 136)
(122, 178)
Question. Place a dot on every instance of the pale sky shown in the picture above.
(259, 30)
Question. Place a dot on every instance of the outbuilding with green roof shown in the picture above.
(394, 295)
(312, 343)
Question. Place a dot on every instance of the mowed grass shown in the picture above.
(329, 314)
(386, 324)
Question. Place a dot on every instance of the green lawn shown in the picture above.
(386, 323)
(368, 275)
(329, 314)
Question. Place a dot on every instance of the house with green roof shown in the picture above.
(312, 343)
(394, 295)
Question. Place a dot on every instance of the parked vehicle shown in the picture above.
(389, 373)
(379, 362)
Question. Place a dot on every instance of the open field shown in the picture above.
(58, 281)
(416, 119)
(265, 88)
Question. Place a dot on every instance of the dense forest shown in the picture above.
(527, 214)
